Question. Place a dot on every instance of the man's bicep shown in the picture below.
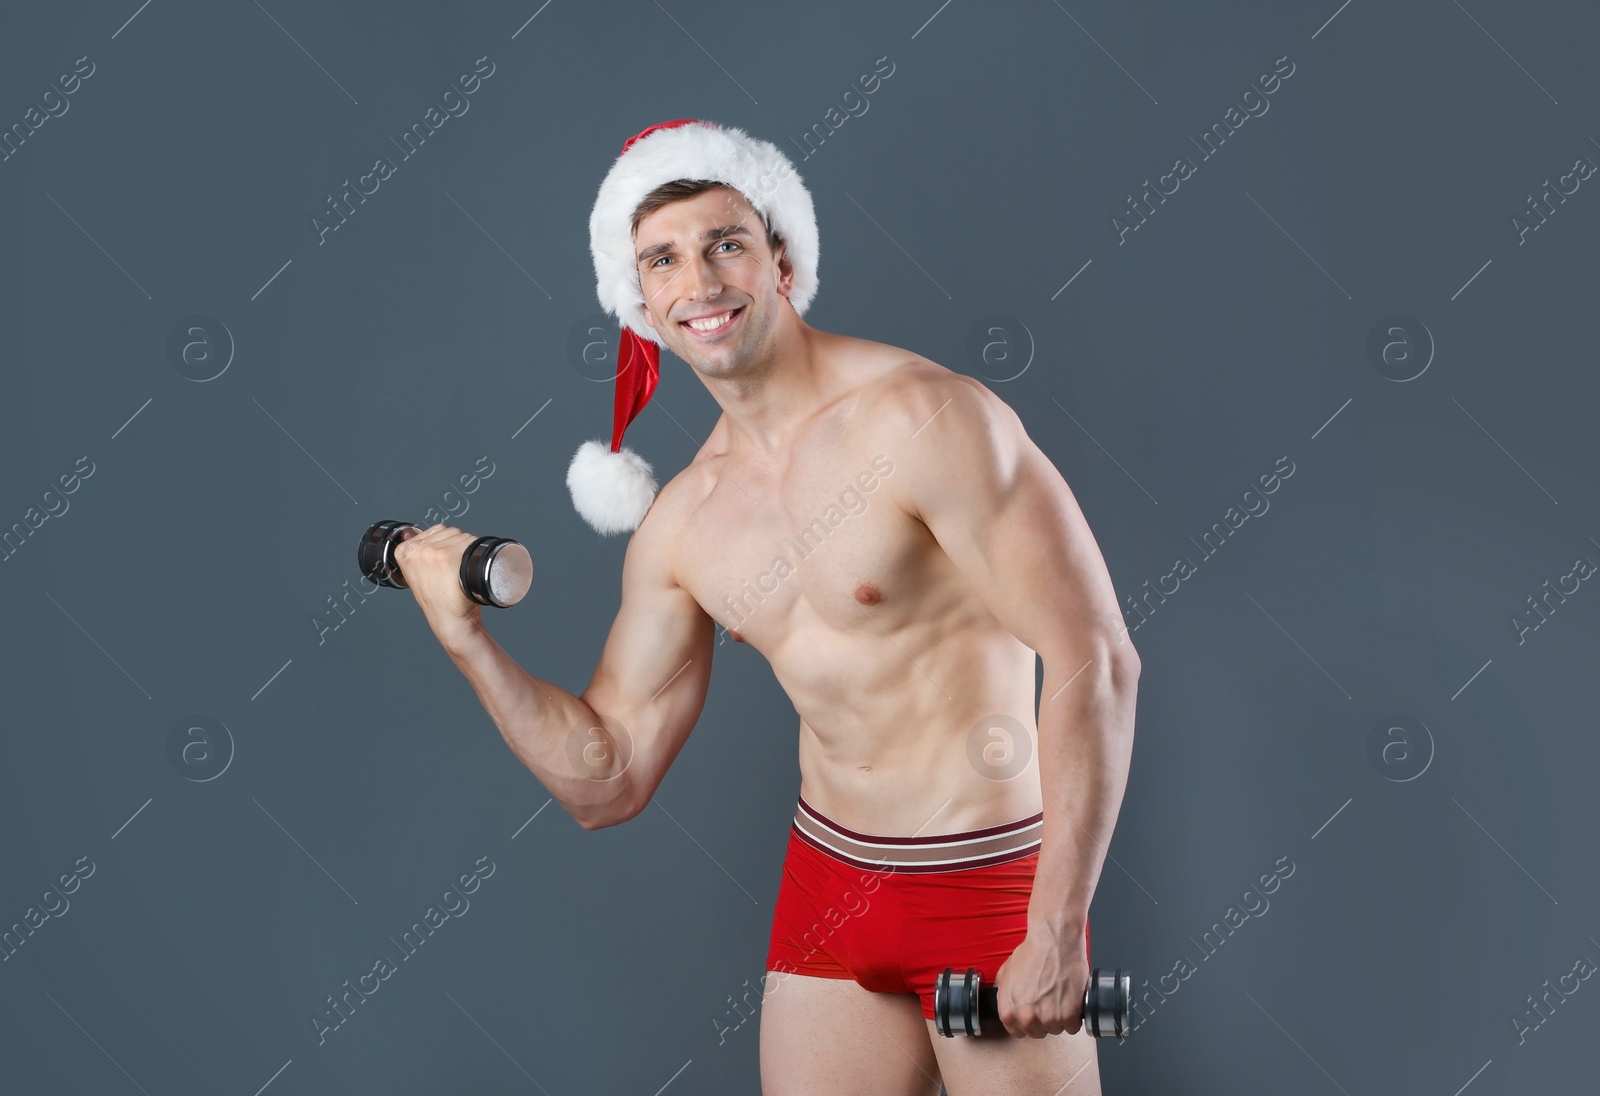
(650, 683)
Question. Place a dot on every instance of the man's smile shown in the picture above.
(704, 327)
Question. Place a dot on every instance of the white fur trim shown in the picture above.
(612, 491)
(727, 154)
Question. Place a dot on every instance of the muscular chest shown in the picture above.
(815, 541)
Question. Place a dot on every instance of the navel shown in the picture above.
(868, 594)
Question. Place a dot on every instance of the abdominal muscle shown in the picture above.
(884, 734)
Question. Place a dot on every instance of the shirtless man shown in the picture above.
(904, 631)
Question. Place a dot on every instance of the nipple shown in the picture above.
(868, 594)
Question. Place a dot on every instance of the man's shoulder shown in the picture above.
(911, 389)
(675, 502)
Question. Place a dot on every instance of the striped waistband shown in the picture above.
(938, 852)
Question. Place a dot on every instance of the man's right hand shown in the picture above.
(430, 562)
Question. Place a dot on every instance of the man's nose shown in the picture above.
(701, 279)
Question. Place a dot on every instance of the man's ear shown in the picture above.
(785, 265)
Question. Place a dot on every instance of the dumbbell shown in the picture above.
(494, 571)
(963, 1006)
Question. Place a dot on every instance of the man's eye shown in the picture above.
(731, 243)
(660, 260)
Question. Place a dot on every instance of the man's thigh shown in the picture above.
(1057, 1065)
(830, 1037)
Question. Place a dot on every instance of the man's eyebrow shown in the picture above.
(718, 232)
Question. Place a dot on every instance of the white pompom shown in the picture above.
(611, 491)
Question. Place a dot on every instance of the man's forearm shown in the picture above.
(538, 720)
(1085, 745)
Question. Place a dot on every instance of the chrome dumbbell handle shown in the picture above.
(494, 570)
(963, 1005)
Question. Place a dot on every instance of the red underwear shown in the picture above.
(893, 912)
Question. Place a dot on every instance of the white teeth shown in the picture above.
(711, 324)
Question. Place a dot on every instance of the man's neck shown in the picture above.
(763, 408)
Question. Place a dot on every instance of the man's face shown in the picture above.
(706, 259)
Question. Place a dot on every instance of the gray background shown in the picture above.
(376, 368)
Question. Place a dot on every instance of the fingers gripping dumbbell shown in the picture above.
(964, 1006)
(494, 571)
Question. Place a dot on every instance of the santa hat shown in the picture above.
(612, 488)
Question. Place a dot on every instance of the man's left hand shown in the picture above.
(1040, 987)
